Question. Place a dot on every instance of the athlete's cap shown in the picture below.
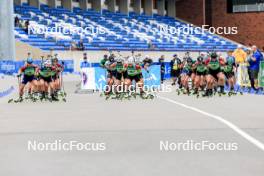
(175, 55)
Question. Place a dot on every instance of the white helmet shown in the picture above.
(130, 60)
(47, 62)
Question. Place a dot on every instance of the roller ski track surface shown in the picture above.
(141, 137)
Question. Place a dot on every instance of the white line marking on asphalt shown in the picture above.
(229, 124)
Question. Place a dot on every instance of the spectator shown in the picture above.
(150, 45)
(17, 21)
(80, 45)
(73, 45)
(85, 63)
(162, 68)
(240, 55)
(26, 26)
(253, 68)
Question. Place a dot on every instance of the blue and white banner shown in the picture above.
(94, 78)
(7, 67)
(152, 76)
(100, 78)
(10, 67)
(68, 65)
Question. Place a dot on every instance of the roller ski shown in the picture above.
(19, 100)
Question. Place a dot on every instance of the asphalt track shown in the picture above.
(132, 131)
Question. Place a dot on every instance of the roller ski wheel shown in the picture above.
(64, 100)
(144, 96)
(115, 96)
(33, 99)
(19, 100)
(127, 97)
(107, 97)
(134, 95)
(151, 96)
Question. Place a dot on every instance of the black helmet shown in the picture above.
(200, 59)
(179, 61)
(112, 58)
(189, 60)
(214, 55)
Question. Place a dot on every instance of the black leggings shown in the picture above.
(253, 74)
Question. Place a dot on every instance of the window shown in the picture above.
(245, 6)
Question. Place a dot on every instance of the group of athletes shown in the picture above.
(124, 75)
(42, 82)
(209, 73)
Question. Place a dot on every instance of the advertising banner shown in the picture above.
(261, 74)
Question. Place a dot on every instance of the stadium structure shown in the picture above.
(112, 25)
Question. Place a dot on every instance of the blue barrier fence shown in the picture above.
(167, 68)
(10, 67)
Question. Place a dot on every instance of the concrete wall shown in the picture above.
(148, 7)
(112, 5)
(22, 49)
(137, 6)
(43, 1)
(124, 6)
(171, 8)
(7, 44)
(53, 3)
(17, 2)
(67, 4)
(161, 7)
(34, 3)
(97, 5)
